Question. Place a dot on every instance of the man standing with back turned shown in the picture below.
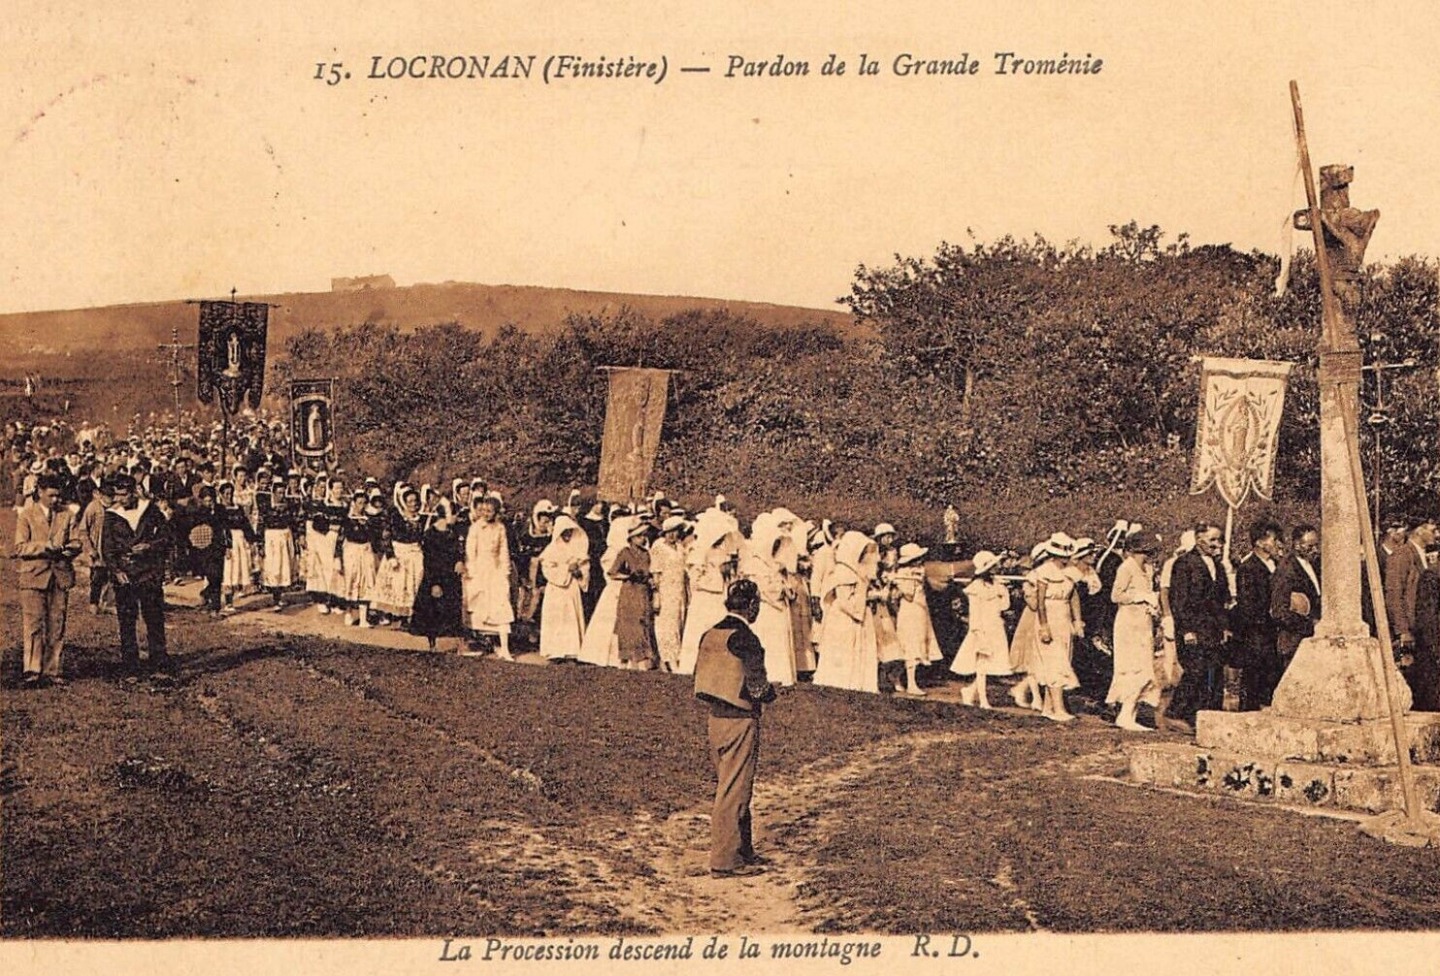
(730, 676)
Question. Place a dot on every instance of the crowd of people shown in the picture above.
(638, 585)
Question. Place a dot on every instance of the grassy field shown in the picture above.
(307, 787)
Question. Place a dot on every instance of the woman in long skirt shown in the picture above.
(487, 575)
(322, 531)
(763, 564)
(667, 565)
(237, 576)
(565, 568)
(600, 646)
(708, 569)
(913, 627)
(849, 657)
(983, 652)
(405, 556)
(436, 610)
(279, 570)
(1026, 691)
(635, 610)
(357, 561)
(1056, 616)
(1137, 605)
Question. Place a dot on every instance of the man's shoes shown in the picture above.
(743, 871)
(31, 681)
(56, 680)
(759, 859)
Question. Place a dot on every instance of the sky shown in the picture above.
(170, 149)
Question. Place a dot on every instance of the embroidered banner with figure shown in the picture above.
(231, 352)
(312, 422)
(634, 413)
(1238, 427)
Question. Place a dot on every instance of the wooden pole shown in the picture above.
(1382, 631)
(1329, 313)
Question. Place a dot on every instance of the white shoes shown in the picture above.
(349, 620)
(365, 621)
(321, 608)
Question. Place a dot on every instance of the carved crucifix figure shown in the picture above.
(1347, 235)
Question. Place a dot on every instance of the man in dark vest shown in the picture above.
(730, 676)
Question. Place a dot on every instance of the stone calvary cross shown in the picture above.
(1343, 680)
(1337, 733)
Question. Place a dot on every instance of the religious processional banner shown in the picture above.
(1238, 427)
(231, 350)
(312, 422)
(634, 413)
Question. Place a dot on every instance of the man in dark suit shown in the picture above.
(1253, 650)
(730, 677)
(1294, 603)
(1199, 603)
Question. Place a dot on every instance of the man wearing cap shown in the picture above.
(135, 541)
(730, 677)
(46, 544)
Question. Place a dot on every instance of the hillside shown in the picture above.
(105, 360)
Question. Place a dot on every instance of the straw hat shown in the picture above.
(910, 553)
(984, 561)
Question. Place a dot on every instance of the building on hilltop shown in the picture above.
(362, 283)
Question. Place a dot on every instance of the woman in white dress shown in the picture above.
(984, 650)
(667, 565)
(764, 564)
(565, 564)
(913, 627)
(848, 653)
(708, 569)
(1057, 614)
(1137, 606)
(487, 576)
(600, 646)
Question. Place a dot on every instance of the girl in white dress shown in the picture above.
(913, 627)
(984, 650)
(1137, 607)
(487, 576)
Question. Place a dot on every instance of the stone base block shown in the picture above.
(1367, 789)
(1265, 733)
